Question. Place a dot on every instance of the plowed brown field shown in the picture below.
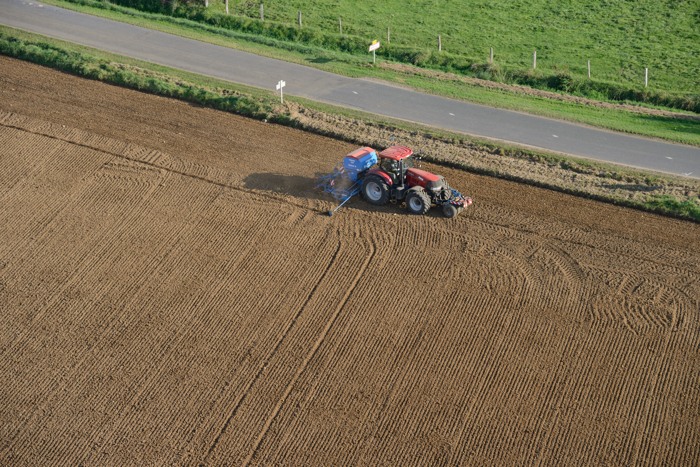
(171, 293)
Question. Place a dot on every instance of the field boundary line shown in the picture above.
(311, 354)
(272, 353)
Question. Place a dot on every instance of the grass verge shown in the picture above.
(677, 197)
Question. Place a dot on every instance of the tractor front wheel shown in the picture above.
(449, 210)
(375, 190)
(417, 202)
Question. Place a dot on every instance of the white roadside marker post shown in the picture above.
(281, 85)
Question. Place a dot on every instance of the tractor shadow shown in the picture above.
(282, 184)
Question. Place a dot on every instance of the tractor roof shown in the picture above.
(396, 153)
(359, 153)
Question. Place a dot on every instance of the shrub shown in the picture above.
(669, 205)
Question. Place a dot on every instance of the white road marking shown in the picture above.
(555, 136)
(669, 158)
(452, 114)
(688, 174)
(354, 92)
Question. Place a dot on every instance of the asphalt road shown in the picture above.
(366, 95)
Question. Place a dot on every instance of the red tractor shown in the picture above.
(396, 179)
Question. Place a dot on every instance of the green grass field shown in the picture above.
(619, 37)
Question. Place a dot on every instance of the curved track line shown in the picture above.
(272, 353)
(311, 354)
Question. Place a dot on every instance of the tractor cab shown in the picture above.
(395, 162)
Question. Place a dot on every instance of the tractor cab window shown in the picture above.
(408, 163)
(390, 166)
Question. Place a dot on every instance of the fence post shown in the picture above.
(262, 12)
(206, 3)
(589, 69)
(646, 77)
(388, 35)
(340, 25)
(227, 7)
(534, 60)
(439, 43)
(491, 56)
(299, 18)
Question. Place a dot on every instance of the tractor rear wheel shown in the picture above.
(417, 202)
(375, 190)
(449, 210)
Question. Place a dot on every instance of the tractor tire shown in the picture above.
(417, 202)
(375, 190)
(449, 210)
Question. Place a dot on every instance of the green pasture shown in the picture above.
(620, 37)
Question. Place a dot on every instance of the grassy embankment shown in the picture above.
(661, 194)
(341, 54)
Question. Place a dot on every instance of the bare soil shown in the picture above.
(172, 293)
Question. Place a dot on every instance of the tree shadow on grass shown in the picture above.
(320, 60)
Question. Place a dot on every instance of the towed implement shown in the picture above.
(390, 176)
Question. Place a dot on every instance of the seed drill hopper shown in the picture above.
(346, 179)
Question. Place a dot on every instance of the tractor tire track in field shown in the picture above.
(311, 355)
(244, 258)
(248, 426)
(274, 351)
(172, 295)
